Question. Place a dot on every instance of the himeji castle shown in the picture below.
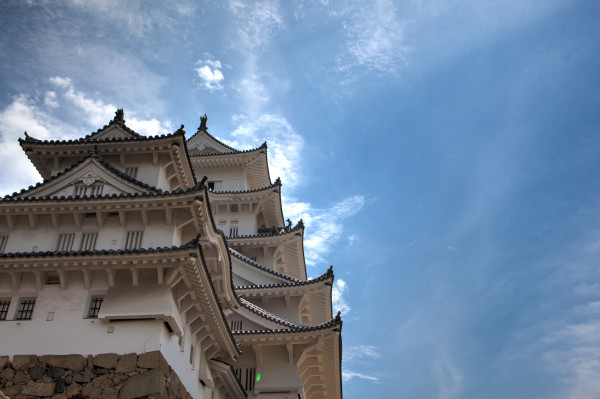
(159, 267)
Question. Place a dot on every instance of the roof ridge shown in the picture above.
(337, 320)
(269, 316)
(277, 183)
(236, 152)
(274, 231)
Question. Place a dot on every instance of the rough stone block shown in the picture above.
(12, 390)
(55, 372)
(151, 382)
(90, 391)
(82, 376)
(149, 360)
(106, 360)
(110, 393)
(60, 386)
(60, 396)
(20, 361)
(7, 374)
(73, 389)
(71, 362)
(20, 377)
(37, 373)
(3, 361)
(39, 389)
(126, 363)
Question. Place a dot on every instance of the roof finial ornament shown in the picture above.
(119, 115)
(180, 130)
(330, 270)
(338, 316)
(203, 120)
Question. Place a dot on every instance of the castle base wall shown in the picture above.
(104, 376)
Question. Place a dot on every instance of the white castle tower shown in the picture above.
(159, 267)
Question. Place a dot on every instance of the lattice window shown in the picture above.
(88, 241)
(236, 325)
(233, 208)
(95, 305)
(132, 172)
(25, 309)
(233, 232)
(65, 242)
(4, 305)
(246, 377)
(3, 240)
(134, 240)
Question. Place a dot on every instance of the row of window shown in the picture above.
(26, 305)
(66, 241)
(246, 377)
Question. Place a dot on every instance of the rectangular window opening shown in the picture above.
(134, 240)
(95, 305)
(25, 309)
(4, 304)
(65, 242)
(233, 208)
(131, 172)
(3, 240)
(233, 232)
(88, 241)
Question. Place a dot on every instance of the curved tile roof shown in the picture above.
(269, 316)
(297, 283)
(191, 244)
(259, 266)
(213, 154)
(276, 184)
(275, 231)
(337, 321)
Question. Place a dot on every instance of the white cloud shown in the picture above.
(338, 293)
(448, 376)
(324, 227)
(210, 74)
(360, 352)
(38, 119)
(348, 375)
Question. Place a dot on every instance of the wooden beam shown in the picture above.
(10, 221)
(63, 276)
(135, 276)
(144, 217)
(100, 217)
(55, 218)
(32, 220)
(38, 280)
(77, 219)
(122, 217)
(87, 283)
(160, 274)
(110, 274)
(15, 280)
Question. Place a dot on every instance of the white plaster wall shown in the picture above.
(276, 305)
(276, 372)
(226, 179)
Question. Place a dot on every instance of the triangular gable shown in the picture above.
(204, 143)
(90, 177)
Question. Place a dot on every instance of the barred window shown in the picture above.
(134, 240)
(65, 242)
(25, 309)
(82, 189)
(4, 304)
(132, 172)
(233, 232)
(233, 208)
(88, 241)
(3, 240)
(236, 325)
(95, 305)
(246, 377)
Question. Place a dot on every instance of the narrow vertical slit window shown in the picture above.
(192, 355)
(95, 305)
(25, 309)
(4, 305)
(65, 242)
(88, 241)
(133, 240)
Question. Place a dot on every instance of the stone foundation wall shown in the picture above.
(105, 376)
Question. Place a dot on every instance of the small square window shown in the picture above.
(95, 305)
(25, 309)
(4, 304)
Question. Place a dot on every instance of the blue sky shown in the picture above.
(443, 154)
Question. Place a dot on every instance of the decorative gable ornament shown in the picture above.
(89, 179)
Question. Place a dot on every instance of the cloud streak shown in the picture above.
(210, 74)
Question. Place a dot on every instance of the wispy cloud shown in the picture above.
(358, 352)
(375, 41)
(348, 375)
(257, 22)
(448, 376)
(338, 296)
(210, 73)
(324, 226)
